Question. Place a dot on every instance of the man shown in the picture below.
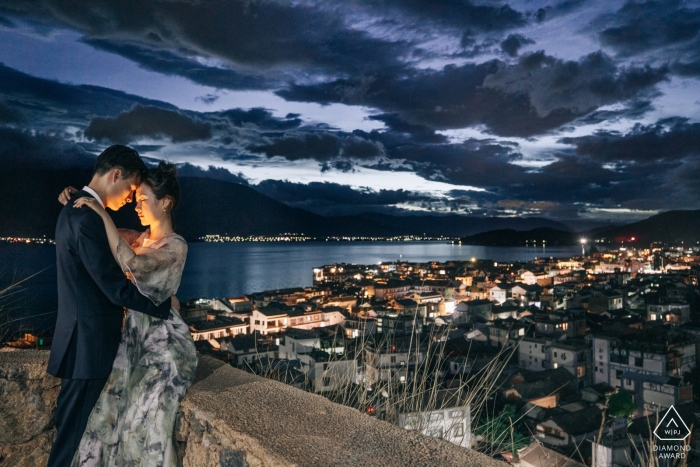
(92, 293)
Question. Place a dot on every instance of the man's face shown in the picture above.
(120, 190)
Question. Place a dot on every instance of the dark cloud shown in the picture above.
(335, 199)
(6, 22)
(419, 133)
(332, 192)
(513, 43)
(687, 61)
(145, 148)
(655, 185)
(266, 45)
(461, 14)
(570, 181)
(148, 121)
(576, 86)
(642, 26)
(169, 62)
(634, 110)
(663, 31)
(450, 98)
(687, 68)
(341, 165)
(567, 180)
(321, 146)
(683, 183)
(584, 183)
(83, 98)
(667, 140)
(261, 118)
(263, 35)
(216, 173)
(50, 106)
(23, 149)
(560, 9)
(478, 163)
(360, 148)
(568, 185)
(537, 94)
(208, 99)
(471, 48)
(403, 146)
(9, 114)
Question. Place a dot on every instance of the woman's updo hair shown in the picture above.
(163, 182)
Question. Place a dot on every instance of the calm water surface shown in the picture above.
(233, 269)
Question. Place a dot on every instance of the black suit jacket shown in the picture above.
(92, 291)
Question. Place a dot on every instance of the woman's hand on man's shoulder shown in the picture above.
(66, 195)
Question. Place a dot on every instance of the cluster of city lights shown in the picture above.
(257, 238)
(305, 238)
(42, 240)
(398, 238)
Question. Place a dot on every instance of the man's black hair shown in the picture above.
(120, 157)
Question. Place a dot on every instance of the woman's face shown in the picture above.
(149, 209)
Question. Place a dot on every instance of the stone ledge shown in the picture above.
(27, 396)
(234, 419)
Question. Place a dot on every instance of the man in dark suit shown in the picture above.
(92, 294)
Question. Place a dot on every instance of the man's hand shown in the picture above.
(175, 303)
(65, 195)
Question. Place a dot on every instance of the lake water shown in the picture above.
(233, 269)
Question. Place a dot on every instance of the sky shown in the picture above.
(571, 110)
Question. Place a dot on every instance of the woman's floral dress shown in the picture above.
(133, 421)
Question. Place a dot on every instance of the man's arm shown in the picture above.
(96, 255)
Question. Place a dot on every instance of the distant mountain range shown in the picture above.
(209, 206)
(672, 227)
(29, 208)
(455, 225)
(510, 237)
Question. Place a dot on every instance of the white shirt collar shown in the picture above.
(94, 195)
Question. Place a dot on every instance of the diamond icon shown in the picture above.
(672, 427)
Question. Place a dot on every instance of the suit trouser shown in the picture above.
(75, 402)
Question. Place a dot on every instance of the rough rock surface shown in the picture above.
(27, 402)
(229, 418)
(33, 453)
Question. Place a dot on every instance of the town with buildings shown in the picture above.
(540, 363)
(583, 353)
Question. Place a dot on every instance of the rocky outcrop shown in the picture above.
(27, 402)
(230, 419)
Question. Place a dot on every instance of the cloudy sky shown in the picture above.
(571, 109)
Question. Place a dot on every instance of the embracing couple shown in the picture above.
(124, 355)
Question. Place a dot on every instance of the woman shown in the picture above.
(133, 420)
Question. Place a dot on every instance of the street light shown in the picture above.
(583, 247)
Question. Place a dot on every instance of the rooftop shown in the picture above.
(218, 323)
(579, 422)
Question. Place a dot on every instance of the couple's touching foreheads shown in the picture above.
(124, 355)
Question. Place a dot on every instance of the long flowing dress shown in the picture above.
(133, 421)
